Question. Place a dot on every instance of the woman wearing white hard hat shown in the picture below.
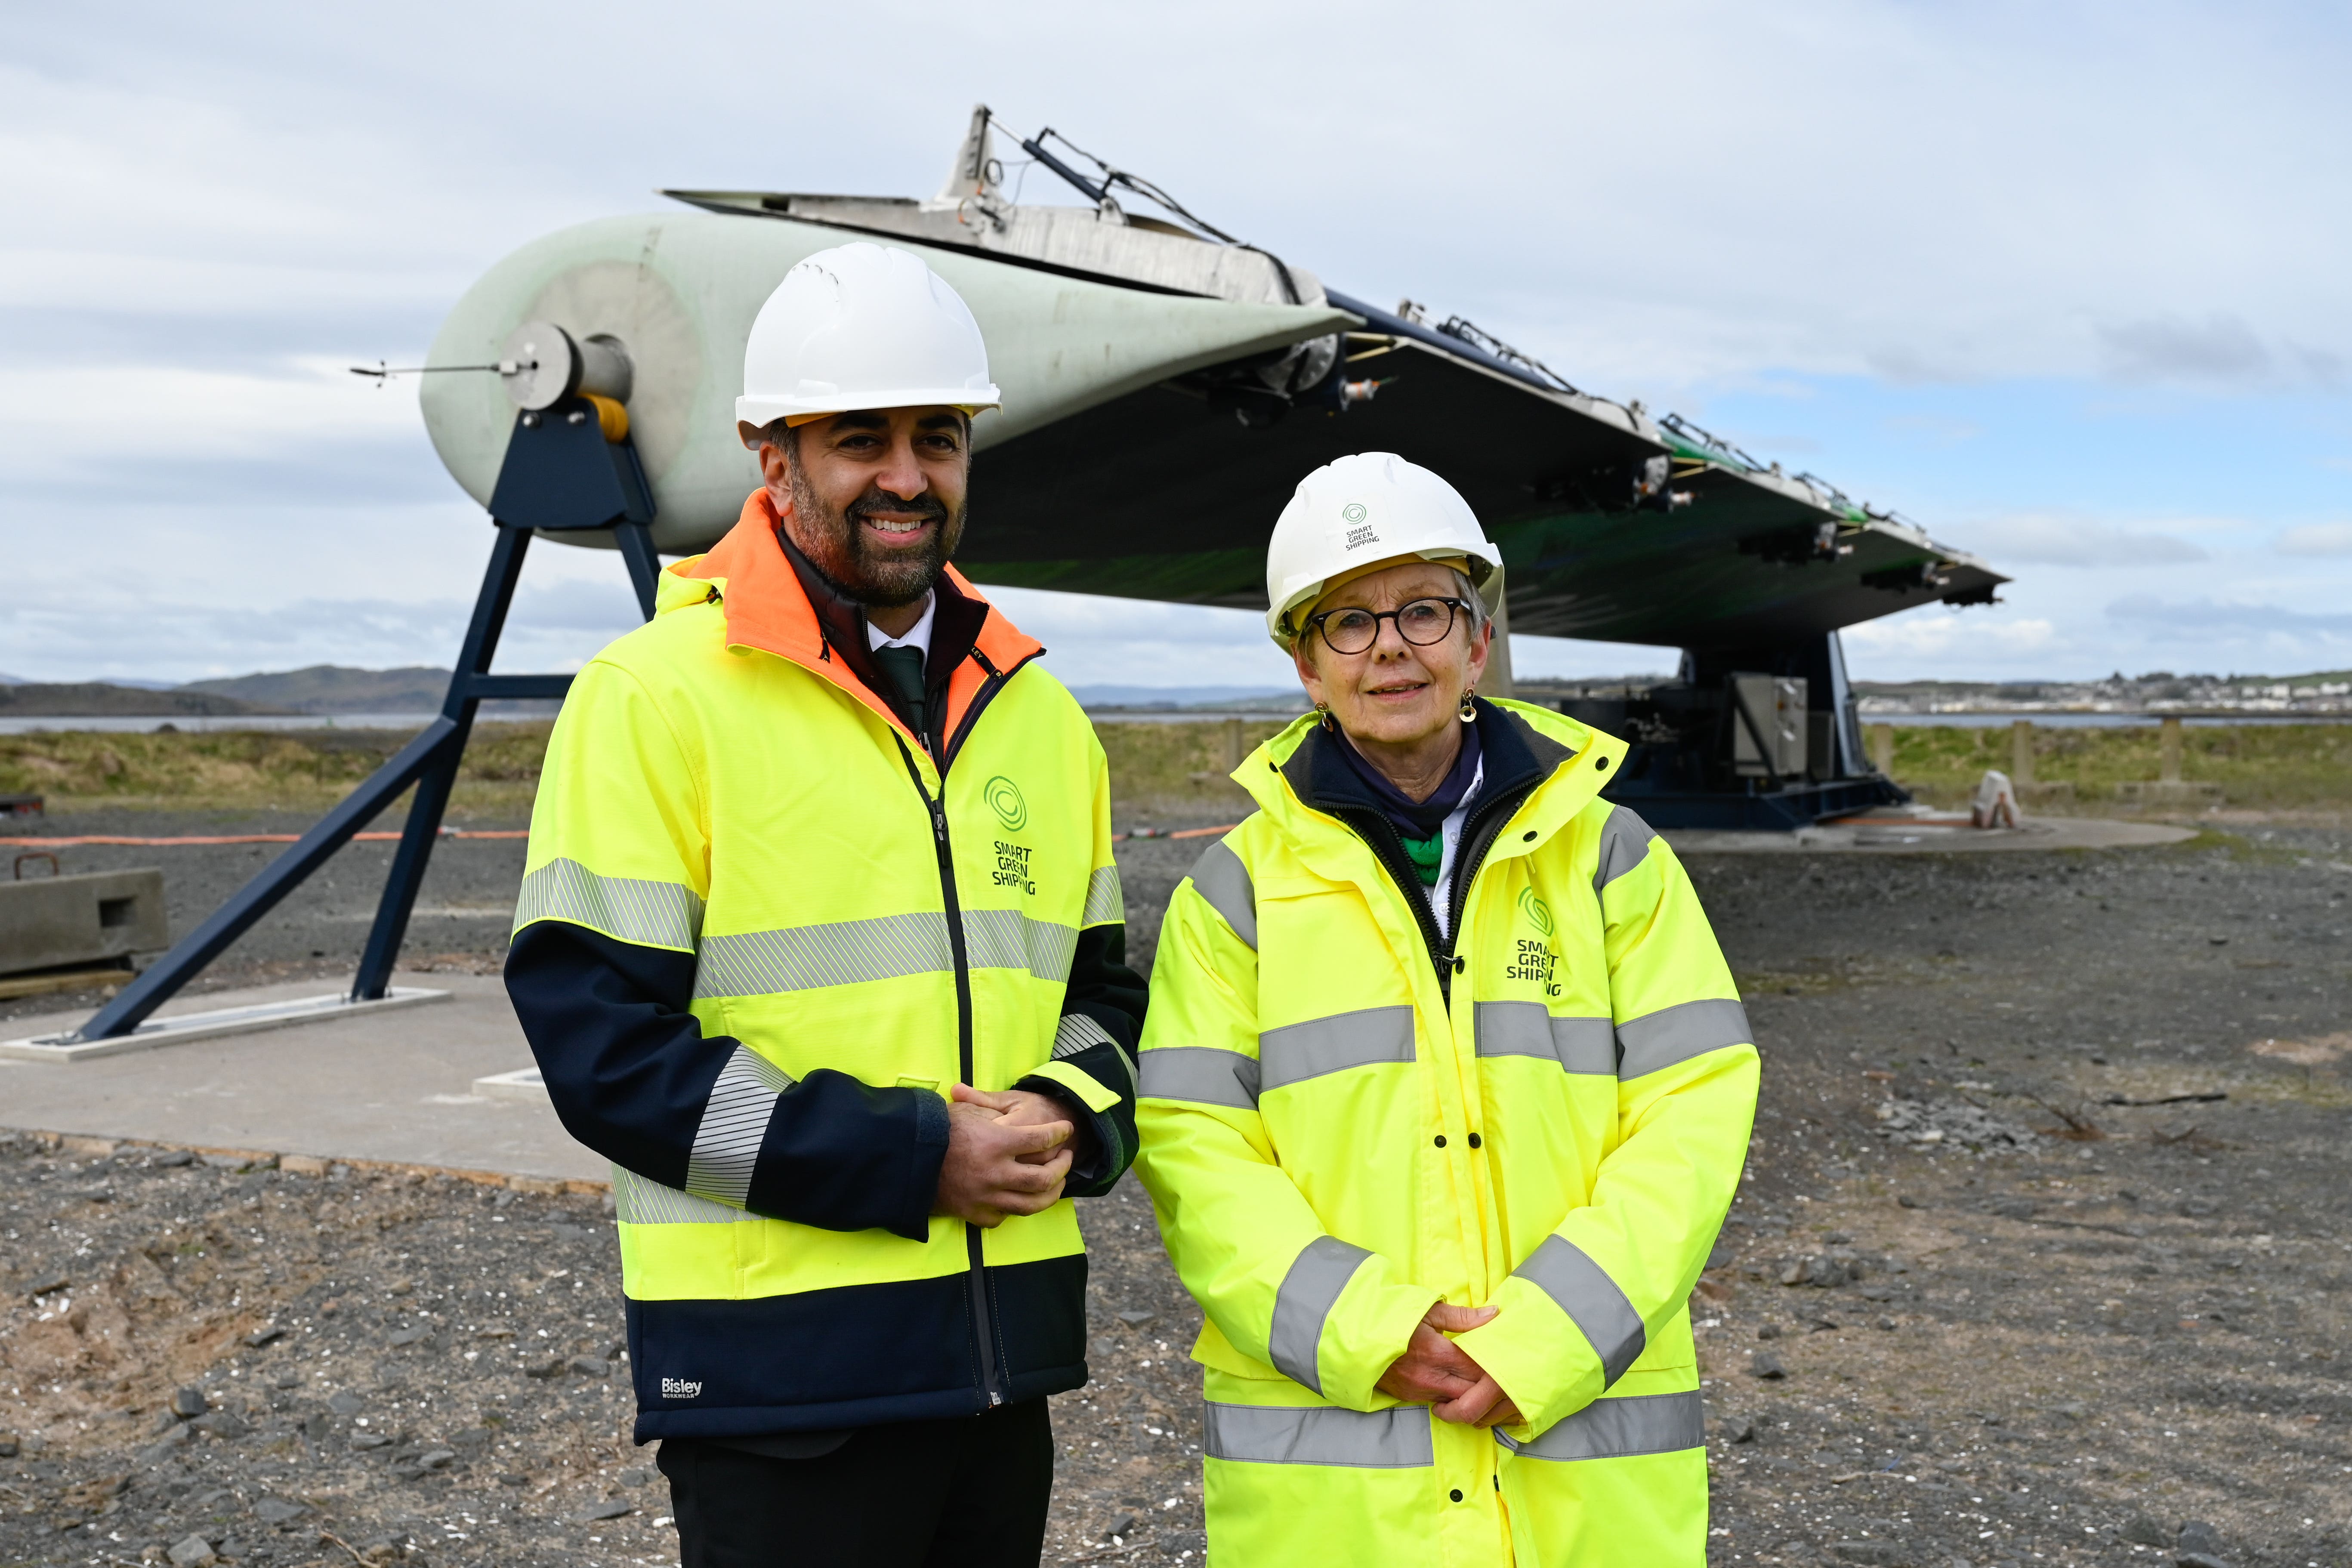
(1446, 1089)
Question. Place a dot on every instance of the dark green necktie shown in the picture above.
(903, 667)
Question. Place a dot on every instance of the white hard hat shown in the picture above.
(862, 326)
(1370, 507)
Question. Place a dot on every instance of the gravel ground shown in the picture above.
(1968, 1307)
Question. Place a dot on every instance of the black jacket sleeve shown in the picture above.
(1102, 1019)
(634, 1078)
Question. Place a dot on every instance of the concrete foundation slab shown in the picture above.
(172, 1028)
(523, 1083)
(396, 1086)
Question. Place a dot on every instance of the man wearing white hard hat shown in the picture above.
(1446, 1089)
(821, 944)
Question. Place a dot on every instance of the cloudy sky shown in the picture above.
(2064, 282)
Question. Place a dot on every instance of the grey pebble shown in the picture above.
(189, 1402)
(223, 1424)
(1767, 1367)
(195, 1551)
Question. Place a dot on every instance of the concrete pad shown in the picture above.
(523, 1083)
(173, 1024)
(391, 1086)
(1915, 834)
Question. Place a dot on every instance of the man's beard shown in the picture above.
(836, 545)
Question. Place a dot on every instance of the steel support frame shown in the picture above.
(429, 763)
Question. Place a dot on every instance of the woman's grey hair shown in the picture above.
(1476, 603)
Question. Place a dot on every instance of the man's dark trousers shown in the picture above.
(969, 1492)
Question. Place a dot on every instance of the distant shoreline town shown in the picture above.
(327, 689)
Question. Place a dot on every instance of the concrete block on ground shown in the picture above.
(48, 922)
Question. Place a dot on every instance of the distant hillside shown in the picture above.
(1180, 697)
(97, 700)
(334, 689)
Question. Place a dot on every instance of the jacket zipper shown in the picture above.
(1478, 835)
(983, 1318)
(1388, 848)
(983, 1324)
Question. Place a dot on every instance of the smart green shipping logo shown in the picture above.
(1003, 797)
(1537, 912)
(1532, 959)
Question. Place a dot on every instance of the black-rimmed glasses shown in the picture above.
(1421, 622)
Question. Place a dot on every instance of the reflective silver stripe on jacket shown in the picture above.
(639, 1201)
(734, 1122)
(1673, 1035)
(889, 947)
(1620, 1429)
(1201, 1074)
(1220, 877)
(1530, 1029)
(1592, 1301)
(1394, 1440)
(1624, 843)
(1318, 1275)
(650, 914)
(1077, 1033)
(1299, 1051)
(1007, 939)
(1106, 904)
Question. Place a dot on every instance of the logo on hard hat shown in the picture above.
(1359, 532)
(1353, 512)
(1003, 797)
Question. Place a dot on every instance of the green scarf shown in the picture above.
(1424, 854)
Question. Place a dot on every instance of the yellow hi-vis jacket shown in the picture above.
(1346, 1118)
(763, 927)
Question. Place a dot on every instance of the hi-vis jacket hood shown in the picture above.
(763, 928)
(767, 607)
(1346, 1118)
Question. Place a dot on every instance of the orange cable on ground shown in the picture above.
(1179, 833)
(68, 843)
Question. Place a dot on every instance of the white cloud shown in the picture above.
(2318, 539)
(2065, 538)
(1965, 638)
(206, 214)
(54, 418)
(2230, 616)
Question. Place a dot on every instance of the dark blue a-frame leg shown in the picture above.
(560, 474)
